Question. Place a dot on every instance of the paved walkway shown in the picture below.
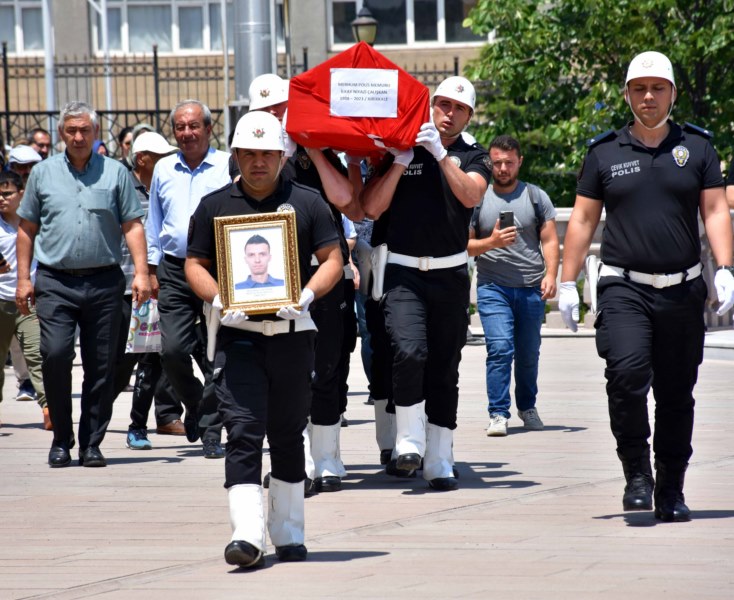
(538, 514)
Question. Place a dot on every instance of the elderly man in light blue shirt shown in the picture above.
(179, 183)
(75, 210)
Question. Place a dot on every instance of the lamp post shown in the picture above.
(364, 27)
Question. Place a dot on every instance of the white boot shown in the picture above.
(248, 525)
(438, 468)
(411, 429)
(339, 462)
(286, 518)
(307, 451)
(385, 428)
(324, 450)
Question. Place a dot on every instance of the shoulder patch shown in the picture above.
(691, 128)
(599, 138)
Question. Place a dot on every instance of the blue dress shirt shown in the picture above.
(175, 192)
(79, 213)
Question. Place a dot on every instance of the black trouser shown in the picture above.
(381, 370)
(651, 337)
(349, 342)
(426, 316)
(327, 314)
(93, 303)
(263, 385)
(183, 335)
(151, 383)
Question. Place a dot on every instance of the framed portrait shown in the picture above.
(257, 261)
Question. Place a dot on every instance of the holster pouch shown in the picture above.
(379, 260)
(363, 251)
(592, 266)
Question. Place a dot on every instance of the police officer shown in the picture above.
(430, 190)
(334, 313)
(263, 365)
(653, 177)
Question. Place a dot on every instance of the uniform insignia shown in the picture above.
(285, 207)
(258, 133)
(264, 93)
(680, 155)
(456, 160)
(304, 160)
(459, 88)
(487, 162)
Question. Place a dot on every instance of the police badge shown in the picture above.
(680, 155)
(456, 160)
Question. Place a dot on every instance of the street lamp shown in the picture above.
(364, 27)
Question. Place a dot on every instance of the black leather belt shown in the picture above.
(174, 259)
(80, 272)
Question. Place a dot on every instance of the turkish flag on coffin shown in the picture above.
(311, 121)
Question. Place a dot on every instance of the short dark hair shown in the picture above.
(257, 239)
(11, 177)
(32, 133)
(123, 132)
(506, 143)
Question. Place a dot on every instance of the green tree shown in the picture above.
(554, 74)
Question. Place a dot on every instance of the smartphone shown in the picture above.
(507, 219)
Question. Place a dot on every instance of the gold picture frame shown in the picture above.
(246, 244)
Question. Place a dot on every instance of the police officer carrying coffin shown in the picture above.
(430, 191)
(262, 366)
(653, 177)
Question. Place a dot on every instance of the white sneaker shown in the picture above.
(497, 426)
(531, 419)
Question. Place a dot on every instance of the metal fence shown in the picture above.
(143, 89)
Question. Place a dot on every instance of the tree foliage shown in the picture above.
(553, 77)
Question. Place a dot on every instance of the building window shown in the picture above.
(414, 23)
(148, 25)
(21, 26)
(191, 28)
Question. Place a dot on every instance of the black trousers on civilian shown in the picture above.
(125, 364)
(183, 335)
(651, 338)
(152, 384)
(263, 386)
(349, 342)
(381, 375)
(327, 313)
(91, 302)
(426, 317)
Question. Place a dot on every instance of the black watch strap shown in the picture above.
(726, 268)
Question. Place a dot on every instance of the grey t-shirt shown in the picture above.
(521, 264)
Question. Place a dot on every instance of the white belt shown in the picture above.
(656, 280)
(428, 263)
(270, 328)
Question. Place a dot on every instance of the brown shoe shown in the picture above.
(173, 428)
(47, 425)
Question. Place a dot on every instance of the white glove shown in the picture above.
(429, 138)
(232, 318)
(290, 145)
(402, 157)
(568, 304)
(217, 302)
(292, 311)
(724, 283)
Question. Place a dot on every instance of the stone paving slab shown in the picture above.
(538, 514)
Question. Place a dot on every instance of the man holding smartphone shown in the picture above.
(514, 222)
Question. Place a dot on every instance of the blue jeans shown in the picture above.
(511, 319)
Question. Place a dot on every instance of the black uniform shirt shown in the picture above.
(651, 196)
(426, 218)
(314, 225)
(300, 168)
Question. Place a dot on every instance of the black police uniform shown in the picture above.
(426, 312)
(651, 336)
(333, 313)
(263, 383)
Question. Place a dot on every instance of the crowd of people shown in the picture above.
(383, 248)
